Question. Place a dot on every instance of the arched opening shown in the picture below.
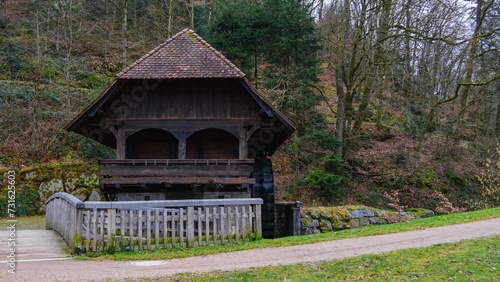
(212, 144)
(152, 143)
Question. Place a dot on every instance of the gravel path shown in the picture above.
(74, 270)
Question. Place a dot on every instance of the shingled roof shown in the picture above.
(185, 55)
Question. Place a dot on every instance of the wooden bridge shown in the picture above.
(139, 225)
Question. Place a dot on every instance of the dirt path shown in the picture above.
(73, 270)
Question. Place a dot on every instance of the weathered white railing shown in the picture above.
(138, 225)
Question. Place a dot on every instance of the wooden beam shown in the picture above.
(177, 171)
(176, 162)
(177, 180)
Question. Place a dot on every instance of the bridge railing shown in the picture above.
(139, 225)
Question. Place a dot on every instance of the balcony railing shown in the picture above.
(175, 171)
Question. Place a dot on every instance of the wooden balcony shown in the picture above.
(141, 172)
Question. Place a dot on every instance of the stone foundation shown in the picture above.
(327, 219)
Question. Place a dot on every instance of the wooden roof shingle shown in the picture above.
(184, 55)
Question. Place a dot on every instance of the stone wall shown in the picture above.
(77, 179)
(326, 219)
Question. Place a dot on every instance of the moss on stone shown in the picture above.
(418, 212)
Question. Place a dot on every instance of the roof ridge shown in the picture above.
(147, 55)
(217, 53)
(185, 40)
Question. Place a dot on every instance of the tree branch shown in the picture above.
(480, 82)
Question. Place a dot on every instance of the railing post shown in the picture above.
(258, 222)
(78, 230)
(190, 226)
(111, 230)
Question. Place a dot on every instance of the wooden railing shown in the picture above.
(139, 225)
(165, 171)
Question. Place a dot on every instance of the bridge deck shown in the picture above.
(36, 245)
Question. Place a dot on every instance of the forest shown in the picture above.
(396, 102)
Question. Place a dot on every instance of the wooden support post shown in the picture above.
(190, 226)
(148, 228)
(207, 226)
(101, 237)
(78, 236)
(165, 229)
(199, 226)
(182, 145)
(94, 230)
(251, 235)
(131, 229)
(172, 217)
(237, 224)
(157, 228)
(120, 144)
(111, 230)
(258, 222)
(222, 219)
(243, 147)
(214, 225)
(88, 222)
(244, 224)
(139, 230)
(122, 230)
(181, 227)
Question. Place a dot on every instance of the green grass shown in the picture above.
(160, 254)
(471, 260)
(25, 223)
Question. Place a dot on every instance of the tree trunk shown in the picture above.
(470, 60)
(170, 19)
(192, 14)
(320, 13)
(124, 30)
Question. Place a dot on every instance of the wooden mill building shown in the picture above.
(186, 124)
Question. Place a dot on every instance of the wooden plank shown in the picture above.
(139, 229)
(251, 235)
(190, 226)
(101, 237)
(174, 171)
(181, 227)
(122, 230)
(111, 229)
(222, 219)
(78, 239)
(229, 224)
(172, 214)
(207, 226)
(152, 162)
(88, 222)
(244, 224)
(237, 224)
(258, 222)
(157, 228)
(199, 227)
(214, 225)
(176, 180)
(131, 229)
(148, 229)
(165, 229)
(94, 230)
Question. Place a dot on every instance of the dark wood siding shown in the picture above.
(186, 99)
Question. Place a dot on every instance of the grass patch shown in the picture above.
(161, 254)
(25, 222)
(476, 260)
